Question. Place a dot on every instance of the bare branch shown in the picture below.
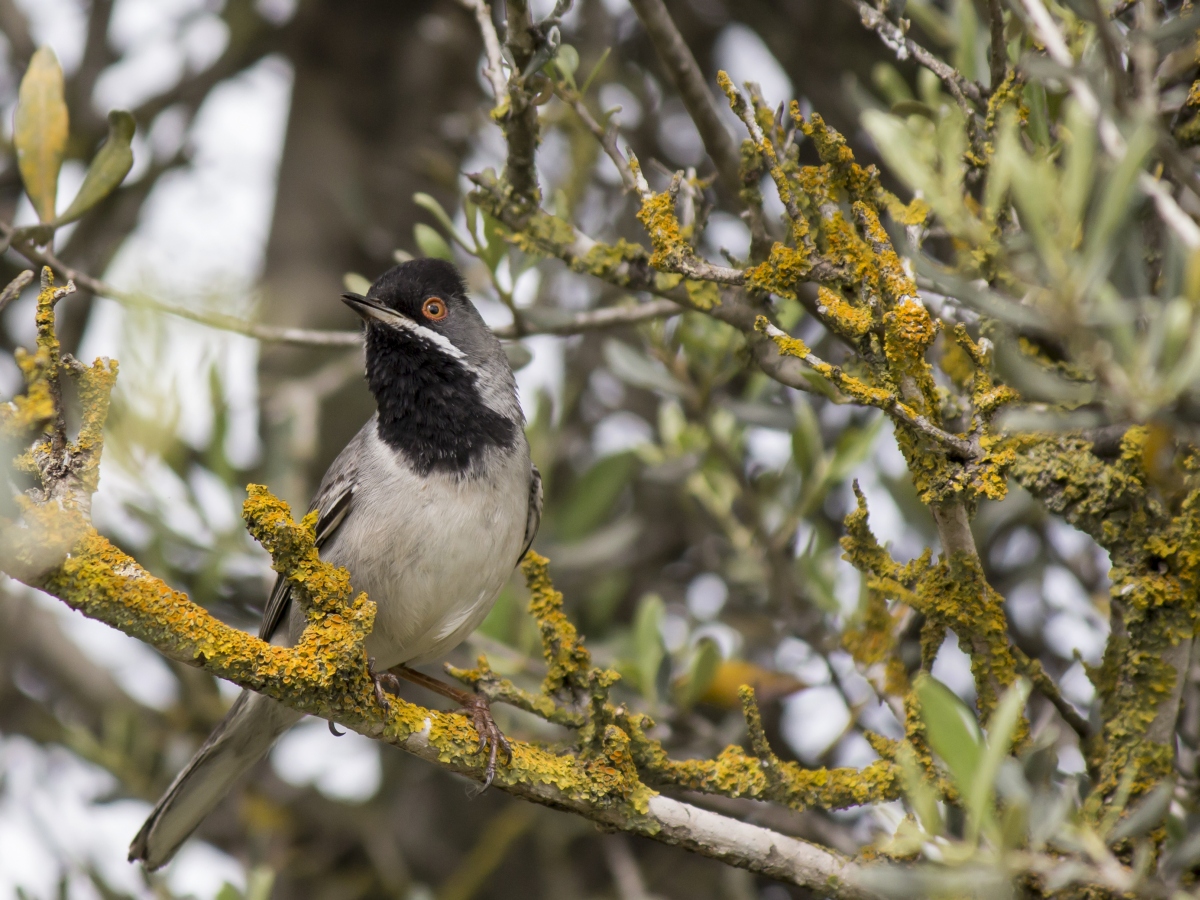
(891, 404)
(904, 47)
(605, 135)
(494, 69)
(521, 118)
(998, 49)
(693, 89)
(13, 289)
(593, 320)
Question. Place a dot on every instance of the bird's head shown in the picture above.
(432, 362)
(421, 307)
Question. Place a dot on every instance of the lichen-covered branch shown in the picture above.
(52, 546)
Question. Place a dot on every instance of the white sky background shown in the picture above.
(200, 240)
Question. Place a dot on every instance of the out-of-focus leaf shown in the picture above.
(1001, 727)
(1146, 816)
(1039, 117)
(431, 242)
(518, 354)
(1117, 199)
(355, 283)
(108, 168)
(910, 107)
(648, 650)
(496, 247)
(952, 730)
(889, 82)
(430, 205)
(1182, 857)
(920, 795)
(853, 447)
(228, 892)
(40, 130)
(567, 61)
(592, 496)
(966, 47)
(596, 69)
(702, 668)
(1079, 170)
(259, 883)
(732, 674)
(640, 371)
(807, 445)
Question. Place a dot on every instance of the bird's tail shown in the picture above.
(242, 738)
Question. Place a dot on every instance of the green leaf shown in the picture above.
(921, 796)
(228, 892)
(1147, 815)
(109, 167)
(706, 659)
(430, 205)
(592, 496)
(518, 354)
(40, 130)
(852, 448)
(1001, 728)
(640, 371)
(807, 445)
(567, 62)
(952, 730)
(496, 246)
(587, 82)
(431, 242)
(648, 650)
(259, 883)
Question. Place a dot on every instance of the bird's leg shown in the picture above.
(385, 683)
(474, 705)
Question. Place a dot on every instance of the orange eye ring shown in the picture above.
(435, 309)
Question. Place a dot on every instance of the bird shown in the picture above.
(429, 507)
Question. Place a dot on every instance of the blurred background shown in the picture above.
(693, 507)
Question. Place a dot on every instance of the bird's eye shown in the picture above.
(435, 308)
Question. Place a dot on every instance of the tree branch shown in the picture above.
(53, 547)
(904, 47)
(685, 74)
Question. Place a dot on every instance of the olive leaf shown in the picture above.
(109, 167)
(40, 130)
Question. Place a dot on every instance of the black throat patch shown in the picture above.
(429, 405)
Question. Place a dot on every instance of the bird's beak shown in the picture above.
(373, 311)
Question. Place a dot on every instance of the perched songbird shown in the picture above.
(429, 508)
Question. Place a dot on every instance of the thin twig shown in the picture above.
(593, 320)
(904, 47)
(606, 135)
(693, 89)
(1044, 685)
(892, 405)
(13, 289)
(494, 69)
(743, 111)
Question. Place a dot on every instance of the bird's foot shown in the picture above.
(490, 736)
(385, 683)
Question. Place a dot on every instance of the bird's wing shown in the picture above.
(333, 503)
(534, 516)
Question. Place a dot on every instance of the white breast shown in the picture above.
(432, 551)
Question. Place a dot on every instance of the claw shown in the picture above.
(490, 736)
(334, 731)
(385, 683)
